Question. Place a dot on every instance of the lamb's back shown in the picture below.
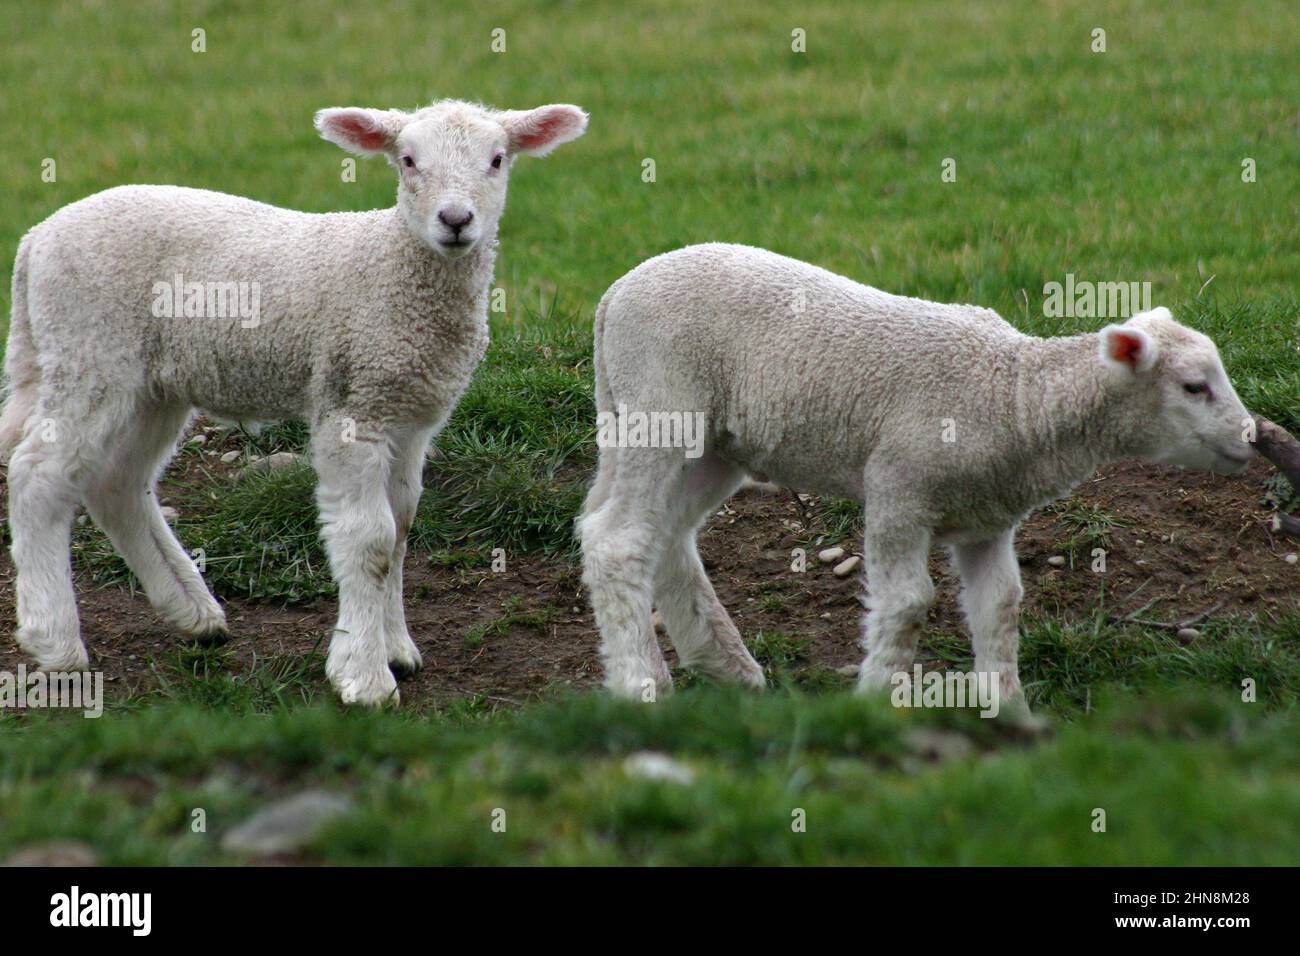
(802, 372)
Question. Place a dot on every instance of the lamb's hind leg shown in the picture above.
(45, 476)
(122, 500)
(698, 625)
(899, 592)
(622, 539)
(990, 598)
(352, 462)
(405, 483)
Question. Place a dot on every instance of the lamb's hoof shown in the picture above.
(1015, 716)
(746, 674)
(642, 688)
(366, 692)
(403, 669)
(73, 661)
(66, 653)
(405, 661)
(219, 637)
(882, 681)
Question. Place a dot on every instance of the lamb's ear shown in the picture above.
(537, 132)
(1128, 348)
(361, 131)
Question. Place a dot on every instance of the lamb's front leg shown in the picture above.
(405, 483)
(990, 598)
(899, 593)
(357, 526)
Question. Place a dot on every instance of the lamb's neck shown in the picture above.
(1075, 414)
(447, 280)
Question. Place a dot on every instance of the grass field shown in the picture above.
(1122, 166)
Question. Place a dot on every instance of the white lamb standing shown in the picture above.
(369, 326)
(944, 421)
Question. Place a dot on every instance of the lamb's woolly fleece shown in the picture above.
(944, 420)
(355, 313)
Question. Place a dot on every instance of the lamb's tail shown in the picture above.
(604, 406)
(604, 397)
(22, 371)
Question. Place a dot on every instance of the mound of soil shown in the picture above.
(1178, 546)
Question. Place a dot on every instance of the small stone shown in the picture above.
(54, 853)
(1188, 634)
(848, 670)
(286, 825)
(170, 513)
(82, 519)
(275, 462)
(1292, 558)
(1056, 561)
(1139, 542)
(230, 457)
(847, 566)
(651, 765)
(826, 616)
(830, 555)
(198, 440)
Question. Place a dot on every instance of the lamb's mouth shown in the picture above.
(454, 248)
(1234, 464)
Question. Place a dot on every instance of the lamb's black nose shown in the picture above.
(455, 218)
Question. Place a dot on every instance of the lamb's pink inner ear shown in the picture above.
(1126, 347)
(541, 130)
(358, 129)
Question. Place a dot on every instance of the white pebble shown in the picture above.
(1292, 558)
(847, 566)
(230, 457)
(830, 555)
(1188, 633)
(657, 766)
(1056, 561)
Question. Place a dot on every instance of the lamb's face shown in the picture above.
(1197, 419)
(452, 160)
(452, 169)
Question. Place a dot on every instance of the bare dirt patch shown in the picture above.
(1180, 545)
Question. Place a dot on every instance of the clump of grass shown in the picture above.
(512, 616)
(779, 653)
(204, 676)
(254, 537)
(1063, 662)
(836, 519)
(1087, 526)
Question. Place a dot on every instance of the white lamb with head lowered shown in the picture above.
(947, 423)
(366, 325)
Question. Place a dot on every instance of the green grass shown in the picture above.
(1185, 778)
(1122, 166)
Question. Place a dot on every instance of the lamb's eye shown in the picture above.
(408, 162)
(1197, 388)
(496, 161)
